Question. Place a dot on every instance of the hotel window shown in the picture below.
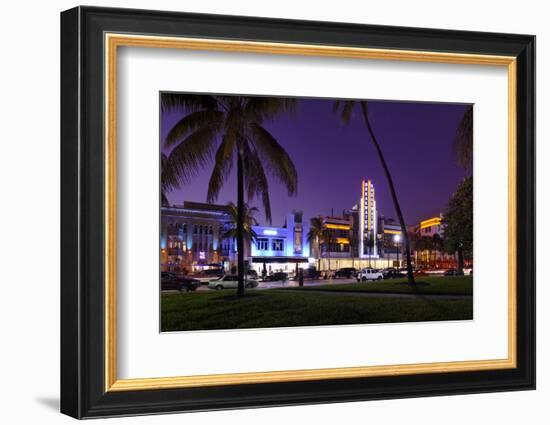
(277, 244)
(262, 244)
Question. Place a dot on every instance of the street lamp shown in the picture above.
(396, 239)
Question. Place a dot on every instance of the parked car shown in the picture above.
(253, 274)
(171, 281)
(369, 274)
(206, 276)
(276, 276)
(309, 273)
(392, 273)
(345, 272)
(230, 281)
(453, 272)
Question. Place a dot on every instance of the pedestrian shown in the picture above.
(301, 277)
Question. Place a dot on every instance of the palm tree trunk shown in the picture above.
(240, 224)
(319, 255)
(460, 265)
(410, 276)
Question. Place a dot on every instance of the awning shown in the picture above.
(279, 259)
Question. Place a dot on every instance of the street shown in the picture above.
(288, 284)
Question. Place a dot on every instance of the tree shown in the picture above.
(437, 245)
(347, 108)
(464, 138)
(249, 235)
(329, 240)
(459, 222)
(370, 243)
(353, 246)
(229, 130)
(315, 236)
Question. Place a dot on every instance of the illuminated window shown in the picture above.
(277, 244)
(262, 244)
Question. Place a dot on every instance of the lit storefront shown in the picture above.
(280, 248)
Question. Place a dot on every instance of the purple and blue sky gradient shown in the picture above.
(331, 159)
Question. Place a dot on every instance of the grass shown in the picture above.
(429, 285)
(274, 308)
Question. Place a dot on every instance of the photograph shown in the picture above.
(277, 209)
(291, 211)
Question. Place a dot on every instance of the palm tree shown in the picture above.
(346, 113)
(353, 245)
(369, 242)
(315, 236)
(249, 234)
(329, 240)
(229, 130)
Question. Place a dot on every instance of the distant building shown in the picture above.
(337, 243)
(368, 221)
(391, 241)
(281, 248)
(431, 226)
(428, 248)
(191, 236)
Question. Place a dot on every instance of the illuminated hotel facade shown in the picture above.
(282, 248)
(361, 237)
(191, 239)
(368, 221)
(191, 236)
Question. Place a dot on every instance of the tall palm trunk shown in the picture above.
(240, 223)
(460, 261)
(320, 255)
(410, 276)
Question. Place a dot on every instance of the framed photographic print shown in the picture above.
(261, 212)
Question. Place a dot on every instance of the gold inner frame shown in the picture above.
(113, 41)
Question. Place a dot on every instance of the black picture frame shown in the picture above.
(83, 392)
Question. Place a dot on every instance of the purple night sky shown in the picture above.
(331, 159)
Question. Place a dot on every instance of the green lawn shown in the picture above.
(274, 308)
(435, 285)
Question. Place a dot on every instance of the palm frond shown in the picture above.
(168, 177)
(186, 102)
(191, 122)
(248, 222)
(346, 107)
(164, 199)
(222, 166)
(315, 230)
(261, 109)
(277, 160)
(188, 158)
(255, 180)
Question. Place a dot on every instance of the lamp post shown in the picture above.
(396, 239)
